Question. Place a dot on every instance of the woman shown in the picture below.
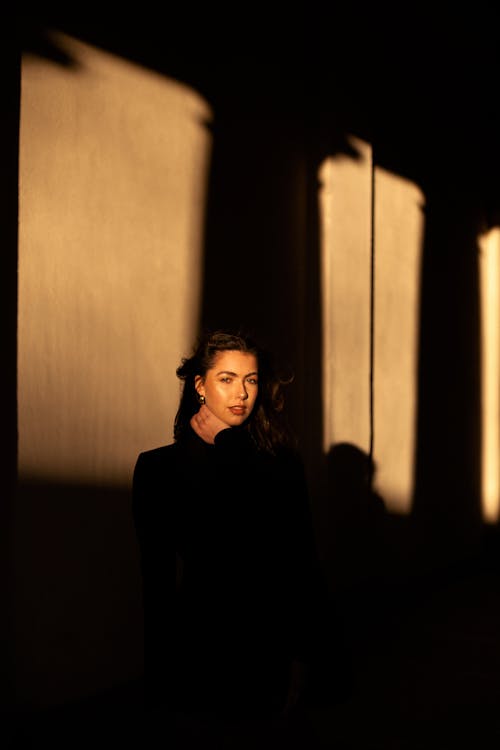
(226, 543)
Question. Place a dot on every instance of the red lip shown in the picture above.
(238, 409)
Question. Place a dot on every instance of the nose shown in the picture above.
(243, 393)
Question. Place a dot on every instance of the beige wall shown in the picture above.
(113, 174)
(348, 238)
(113, 169)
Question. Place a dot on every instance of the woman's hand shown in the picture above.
(207, 425)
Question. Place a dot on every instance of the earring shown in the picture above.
(201, 398)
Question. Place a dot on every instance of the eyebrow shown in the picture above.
(235, 374)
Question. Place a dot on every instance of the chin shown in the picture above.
(236, 421)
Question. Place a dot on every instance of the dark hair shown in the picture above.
(266, 424)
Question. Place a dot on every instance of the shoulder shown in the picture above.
(291, 470)
(155, 458)
(290, 458)
(154, 479)
(157, 454)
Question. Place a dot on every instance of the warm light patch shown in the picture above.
(356, 409)
(489, 270)
(345, 198)
(113, 174)
(397, 282)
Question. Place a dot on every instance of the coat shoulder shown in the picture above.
(159, 453)
(155, 461)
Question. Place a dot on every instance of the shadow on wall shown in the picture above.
(356, 560)
(357, 517)
(78, 600)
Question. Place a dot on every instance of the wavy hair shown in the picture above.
(266, 424)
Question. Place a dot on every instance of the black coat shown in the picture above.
(227, 558)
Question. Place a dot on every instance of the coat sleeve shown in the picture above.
(305, 578)
(155, 532)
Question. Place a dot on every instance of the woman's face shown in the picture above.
(230, 387)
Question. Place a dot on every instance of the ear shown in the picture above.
(199, 385)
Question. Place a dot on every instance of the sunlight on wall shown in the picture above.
(345, 204)
(345, 200)
(113, 175)
(489, 270)
(399, 230)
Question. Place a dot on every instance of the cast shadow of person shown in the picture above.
(358, 558)
(356, 516)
